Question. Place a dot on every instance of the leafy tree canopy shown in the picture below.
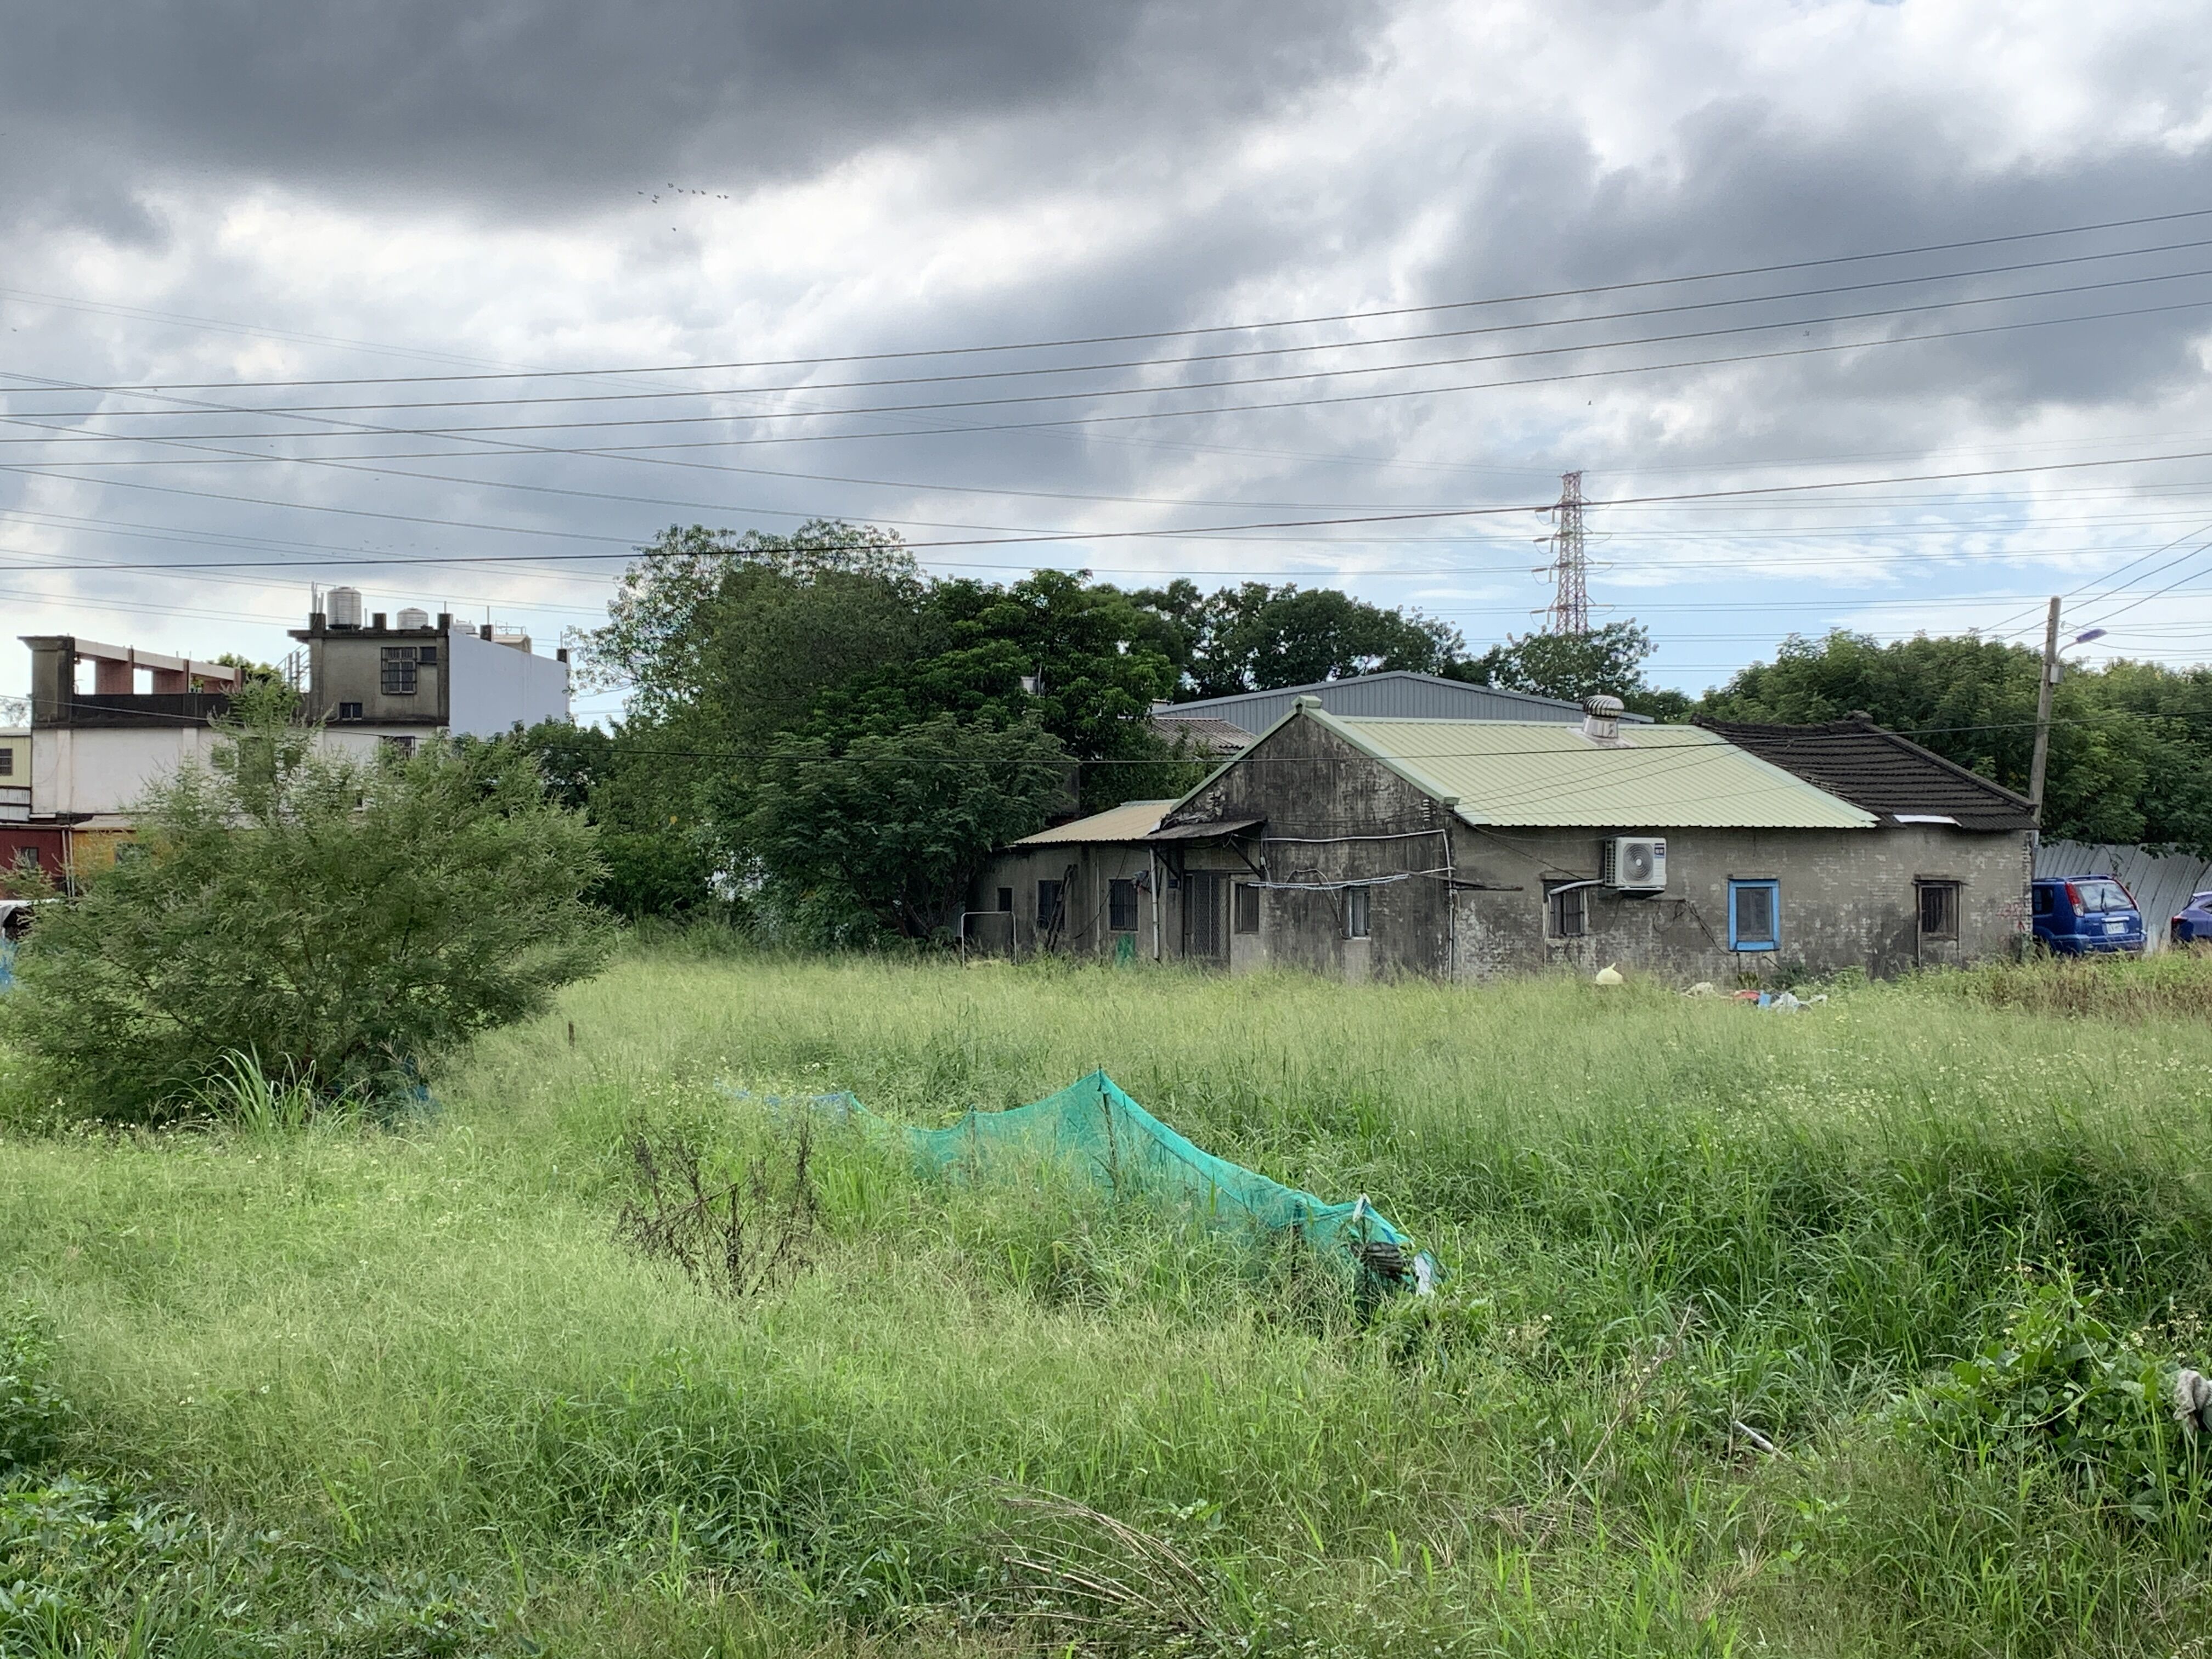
(1259, 638)
(896, 825)
(2129, 743)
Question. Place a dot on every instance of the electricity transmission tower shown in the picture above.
(1570, 567)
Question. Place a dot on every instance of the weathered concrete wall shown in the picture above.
(349, 667)
(1846, 898)
(1333, 815)
(1085, 929)
(1472, 905)
(1448, 900)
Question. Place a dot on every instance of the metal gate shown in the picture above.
(1204, 936)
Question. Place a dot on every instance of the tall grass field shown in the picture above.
(1849, 1331)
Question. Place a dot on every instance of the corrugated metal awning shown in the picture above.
(1208, 831)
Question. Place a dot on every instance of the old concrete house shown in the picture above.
(1465, 849)
(1090, 887)
(1970, 840)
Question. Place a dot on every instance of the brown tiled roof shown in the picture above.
(1889, 775)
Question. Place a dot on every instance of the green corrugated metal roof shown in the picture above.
(1536, 775)
(1133, 820)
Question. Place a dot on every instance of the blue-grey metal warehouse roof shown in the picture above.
(1397, 693)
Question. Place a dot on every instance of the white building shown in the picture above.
(89, 755)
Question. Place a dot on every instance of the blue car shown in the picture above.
(2078, 914)
(2192, 925)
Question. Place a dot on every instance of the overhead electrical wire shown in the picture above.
(1521, 326)
(1203, 329)
(1298, 377)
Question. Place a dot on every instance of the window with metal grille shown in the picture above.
(7, 762)
(1048, 910)
(1248, 906)
(1355, 913)
(1754, 915)
(1565, 914)
(399, 663)
(1202, 904)
(1939, 909)
(1122, 906)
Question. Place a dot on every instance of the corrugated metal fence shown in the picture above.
(2159, 886)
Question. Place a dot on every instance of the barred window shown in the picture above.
(1939, 909)
(1247, 919)
(1122, 906)
(399, 662)
(1566, 914)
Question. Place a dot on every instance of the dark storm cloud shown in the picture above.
(556, 106)
(1749, 186)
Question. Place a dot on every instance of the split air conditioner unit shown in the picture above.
(1635, 864)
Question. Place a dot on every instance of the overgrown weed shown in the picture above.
(1672, 1223)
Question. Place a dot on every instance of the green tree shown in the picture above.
(2130, 743)
(896, 825)
(1256, 638)
(1080, 659)
(657, 851)
(740, 634)
(1607, 661)
(343, 922)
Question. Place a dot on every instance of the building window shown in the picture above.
(1355, 912)
(1564, 913)
(1754, 915)
(1939, 909)
(399, 748)
(349, 711)
(7, 762)
(1122, 906)
(1048, 910)
(1007, 900)
(26, 857)
(399, 663)
(426, 655)
(1247, 919)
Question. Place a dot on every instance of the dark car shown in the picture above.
(2078, 914)
(2192, 924)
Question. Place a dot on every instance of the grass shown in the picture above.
(322, 1386)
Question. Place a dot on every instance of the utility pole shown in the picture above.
(1570, 569)
(2043, 710)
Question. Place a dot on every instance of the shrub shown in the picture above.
(2061, 1383)
(341, 920)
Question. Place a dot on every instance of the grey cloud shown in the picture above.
(567, 106)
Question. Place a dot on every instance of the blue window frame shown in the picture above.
(1754, 915)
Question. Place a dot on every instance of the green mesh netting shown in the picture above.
(1092, 1126)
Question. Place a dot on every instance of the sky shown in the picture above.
(1886, 317)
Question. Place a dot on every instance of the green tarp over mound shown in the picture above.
(1093, 1127)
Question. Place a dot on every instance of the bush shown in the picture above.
(2060, 1382)
(342, 921)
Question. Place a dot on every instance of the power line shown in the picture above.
(1096, 393)
(1184, 360)
(1196, 331)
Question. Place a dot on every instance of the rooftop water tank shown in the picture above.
(412, 617)
(342, 606)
